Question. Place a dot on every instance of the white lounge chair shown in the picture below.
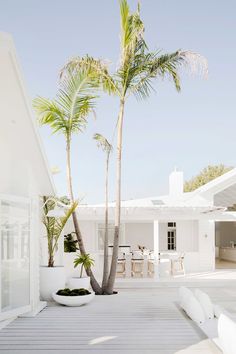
(220, 330)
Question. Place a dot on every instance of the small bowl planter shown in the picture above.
(75, 297)
(78, 283)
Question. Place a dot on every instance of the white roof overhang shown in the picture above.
(151, 213)
(221, 190)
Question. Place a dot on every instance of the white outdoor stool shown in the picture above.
(177, 265)
(121, 265)
(137, 266)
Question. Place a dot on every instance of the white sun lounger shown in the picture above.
(210, 329)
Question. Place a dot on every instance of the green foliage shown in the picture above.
(206, 175)
(103, 143)
(54, 225)
(74, 292)
(70, 243)
(85, 260)
(68, 112)
(137, 66)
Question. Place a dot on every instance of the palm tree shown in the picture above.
(67, 114)
(107, 148)
(54, 225)
(86, 262)
(137, 69)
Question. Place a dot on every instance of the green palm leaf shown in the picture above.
(103, 143)
(68, 113)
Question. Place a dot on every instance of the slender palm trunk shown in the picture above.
(96, 287)
(81, 270)
(50, 261)
(50, 252)
(49, 236)
(112, 275)
(105, 262)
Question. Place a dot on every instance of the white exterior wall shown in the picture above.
(197, 240)
(190, 240)
(206, 245)
(139, 234)
(187, 236)
(163, 236)
(24, 171)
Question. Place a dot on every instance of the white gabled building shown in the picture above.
(24, 176)
(195, 224)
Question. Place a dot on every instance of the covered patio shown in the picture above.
(189, 227)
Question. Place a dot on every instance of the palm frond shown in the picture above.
(50, 113)
(153, 65)
(96, 69)
(59, 224)
(132, 29)
(196, 63)
(68, 112)
(54, 226)
(85, 260)
(103, 143)
(139, 67)
(76, 98)
(132, 43)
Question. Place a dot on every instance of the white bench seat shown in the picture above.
(215, 331)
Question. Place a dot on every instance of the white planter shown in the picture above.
(78, 283)
(68, 261)
(73, 300)
(51, 280)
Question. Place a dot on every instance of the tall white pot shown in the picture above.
(78, 283)
(51, 280)
(68, 261)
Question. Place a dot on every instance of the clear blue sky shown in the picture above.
(189, 130)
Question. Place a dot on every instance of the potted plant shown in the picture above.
(52, 277)
(85, 262)
(70, 243)
(70, 249)
(74, 297)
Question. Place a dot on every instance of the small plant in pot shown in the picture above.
(52, 277)
(85, 262)
(70, 243)
(74, 297)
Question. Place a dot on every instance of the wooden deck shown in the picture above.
(134, 321)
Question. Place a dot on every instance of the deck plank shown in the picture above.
(134, 321)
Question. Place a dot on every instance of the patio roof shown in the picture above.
(160, 212)
(209, 201)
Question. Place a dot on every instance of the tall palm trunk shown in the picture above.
(112, 275)
(105, 262)
(96, 287)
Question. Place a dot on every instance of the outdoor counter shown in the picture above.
(227, 254)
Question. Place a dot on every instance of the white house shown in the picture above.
(24, 177)
(194, 224)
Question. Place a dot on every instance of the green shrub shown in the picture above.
(74, 292)
(70, 243)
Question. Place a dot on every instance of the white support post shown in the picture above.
(145, 266)
(156, 248)
(128, 265)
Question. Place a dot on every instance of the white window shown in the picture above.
(15, 216)
(171, 236)
(101, 234)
